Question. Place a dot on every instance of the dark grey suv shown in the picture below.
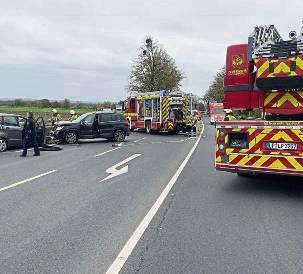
(112, 126)
(11, 128)
(10, 131)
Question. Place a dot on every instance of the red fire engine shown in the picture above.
(158, 111)
(265, 74)
(216, 113)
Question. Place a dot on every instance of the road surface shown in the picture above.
(67, 212)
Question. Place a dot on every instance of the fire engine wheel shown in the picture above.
(243, 174)
(148, 127)
(71, 137)
(119, 135)
(3, 145)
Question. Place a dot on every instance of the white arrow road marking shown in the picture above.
(113, 171)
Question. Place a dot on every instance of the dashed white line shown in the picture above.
(122, 257)
(105, 152)
(27, 180)
(139, 140)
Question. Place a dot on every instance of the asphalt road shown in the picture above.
(217, 222)
(68, 221)
(58, 216)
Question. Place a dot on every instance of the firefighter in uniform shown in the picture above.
(229, 115)
(73, 115)
(55, 117)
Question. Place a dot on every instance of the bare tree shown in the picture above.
(154, 69)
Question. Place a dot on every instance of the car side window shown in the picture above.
(10, 121)
(106, 117)
(89, 120)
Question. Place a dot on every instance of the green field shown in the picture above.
(41, 110)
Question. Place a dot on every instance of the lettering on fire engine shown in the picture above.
(237, 72)
(283, 123)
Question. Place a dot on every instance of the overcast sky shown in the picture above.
(83, 49)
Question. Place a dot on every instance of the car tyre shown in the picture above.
(3, 145)
(71, 137)
(119, 135)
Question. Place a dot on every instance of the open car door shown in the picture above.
(40, 129)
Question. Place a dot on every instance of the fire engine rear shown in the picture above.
(265, 74)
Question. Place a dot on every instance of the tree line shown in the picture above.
(66, 104)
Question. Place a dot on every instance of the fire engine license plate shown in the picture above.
(281, 146)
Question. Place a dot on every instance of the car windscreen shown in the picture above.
(81, 117)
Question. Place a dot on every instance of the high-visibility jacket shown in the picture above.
(229, 117)
(73, 117)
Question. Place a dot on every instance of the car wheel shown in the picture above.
(148, 127)
(71, 137)
(3, 145)
(119, 135)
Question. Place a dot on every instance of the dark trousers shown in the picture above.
(31, 140)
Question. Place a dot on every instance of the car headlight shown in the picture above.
(59, 128)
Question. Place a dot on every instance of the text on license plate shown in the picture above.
(281, 146)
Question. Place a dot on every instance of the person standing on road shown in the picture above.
(29, 135)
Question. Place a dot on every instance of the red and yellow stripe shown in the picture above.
(256, 156)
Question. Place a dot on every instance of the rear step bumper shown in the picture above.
(257, 170)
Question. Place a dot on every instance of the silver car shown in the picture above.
(10, 131)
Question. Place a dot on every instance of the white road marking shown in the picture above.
(18, 151)
(113, 171)
(176, 141)
(105, 152)
(27, 180)
(139, 140)
(122, 257)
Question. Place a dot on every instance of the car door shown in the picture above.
(12, 129)
(86, 127)
(106, 124)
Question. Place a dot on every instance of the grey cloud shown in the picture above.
(84, 49)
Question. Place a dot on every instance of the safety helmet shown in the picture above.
(228, 111)
(54, 111)
(72, 112)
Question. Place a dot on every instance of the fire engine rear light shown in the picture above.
(221, 147)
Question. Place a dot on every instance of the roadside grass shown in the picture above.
(42, 110)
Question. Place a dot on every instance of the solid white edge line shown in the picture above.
(27, 180)
(105, 152)
(126, 251)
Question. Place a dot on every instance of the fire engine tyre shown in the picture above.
(148, 127)
(3, 145)
(243, 174)
(71, 137)
(119, 135)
